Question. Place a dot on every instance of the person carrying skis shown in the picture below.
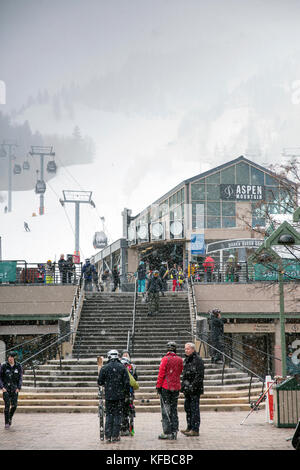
(168, 387)
(128, 411)
(115, 379)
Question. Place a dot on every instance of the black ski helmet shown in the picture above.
(171, 346)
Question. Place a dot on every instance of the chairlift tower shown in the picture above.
(7, 149)
(77, 198)
(42, 152)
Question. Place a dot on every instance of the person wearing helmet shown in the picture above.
(216, 324)
(87, 273)
(230, 269)
(292, 367)
(168, 387)
(114, 377)
(141, 277)
(49, 271)
(155, 286)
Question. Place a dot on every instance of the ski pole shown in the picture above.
(258, 401)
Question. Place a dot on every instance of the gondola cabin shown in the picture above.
(99, 240)
(40, 187)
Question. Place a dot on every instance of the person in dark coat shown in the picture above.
(163, 274)
(62, 266)
(141, 276)
(115, 379)
(11, 375)
(216, 324)
(87, 272)
(192, 388)
(116, 278)
(154, 287)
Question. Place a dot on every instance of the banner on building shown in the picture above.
(242, 192)
(197, 244)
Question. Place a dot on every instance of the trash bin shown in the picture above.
(287, 403)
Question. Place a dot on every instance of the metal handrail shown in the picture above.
(131, 334)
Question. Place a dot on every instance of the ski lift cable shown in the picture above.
(70, 174)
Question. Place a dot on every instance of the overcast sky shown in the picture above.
(169, 88)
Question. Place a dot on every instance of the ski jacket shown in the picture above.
(216, 326)
(155, 285)
(114, 377)
(141, 272)
(87, 271)
(11, 376)
(169, 372)
(193, 375)
(209, 264)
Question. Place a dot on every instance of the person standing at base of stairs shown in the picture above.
(192, 388)
(115, 379)
(10, 383)
(155, 286)
(168, 387)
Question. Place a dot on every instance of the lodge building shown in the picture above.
(220, 212)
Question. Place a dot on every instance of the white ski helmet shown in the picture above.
(113, 354)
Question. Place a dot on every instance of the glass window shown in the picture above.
(257, 176)
(198, 192)
(212, 192)
(272, 194)
(228, 175)
(228, 208)
(213, 179)
(182, 195)
(258, 221)
(198, 208)
(242, 173)
(213, 208)
(213, 222)
(198, 222)
(271, 181)
(228, 222)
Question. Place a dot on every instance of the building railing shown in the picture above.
(21, 272)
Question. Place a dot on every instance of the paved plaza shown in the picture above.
(72, 431)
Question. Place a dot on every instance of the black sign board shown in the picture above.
(242, 192)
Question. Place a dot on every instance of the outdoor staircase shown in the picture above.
(71, 386)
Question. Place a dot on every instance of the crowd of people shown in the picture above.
(208, 271)
(119, 379)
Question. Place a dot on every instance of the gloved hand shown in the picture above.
(158, 390)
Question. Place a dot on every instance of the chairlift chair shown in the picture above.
(17, 169)
(51, 166)
(40, 187)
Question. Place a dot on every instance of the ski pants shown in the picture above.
(168, 403)
(192, 409)
(113, 417)
(142, 285)
(153, 302)
(10, 404)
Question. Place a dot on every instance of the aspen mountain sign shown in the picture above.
(242, 192)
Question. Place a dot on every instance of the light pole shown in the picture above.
(41, 152)
(284, 235)
(9, 146)
(77, 198)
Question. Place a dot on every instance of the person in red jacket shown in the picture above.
(209, 264)
(168, 387)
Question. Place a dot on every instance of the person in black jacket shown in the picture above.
(11, 375)
(154, 287)
(216, 324)
(192, 388)
(115, 379)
